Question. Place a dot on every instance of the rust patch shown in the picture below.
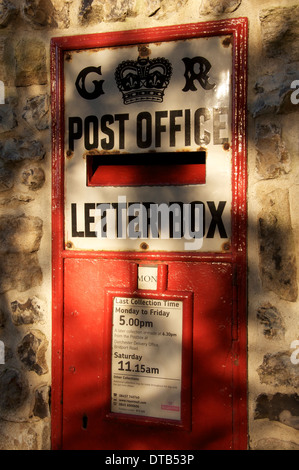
(69, 154)
(226, 246)
(94, 152)
(227, 41)
(144, 50)
(68, 57)
(144, 246)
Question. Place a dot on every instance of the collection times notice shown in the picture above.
(147, 357)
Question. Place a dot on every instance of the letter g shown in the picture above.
(98, 84)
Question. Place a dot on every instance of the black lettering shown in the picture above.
(75, 232)
(159, 127)
(194, 205)
(75, 131)
(114, 206)
(91, 132)
(121, 118)
(201, 76)
(173, 126)
(216, 219)
(187, 127)
(107, 144)
(89, 219)
(144, 142)
(98, 84)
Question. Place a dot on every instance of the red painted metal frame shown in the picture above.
(236, 27)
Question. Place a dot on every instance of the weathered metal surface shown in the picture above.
(145, 100)
(206, 387)
(213, 281)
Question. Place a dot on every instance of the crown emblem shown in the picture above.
(143, 79)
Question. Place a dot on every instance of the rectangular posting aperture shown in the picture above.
(146, 169)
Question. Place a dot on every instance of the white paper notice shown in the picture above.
(147, 357)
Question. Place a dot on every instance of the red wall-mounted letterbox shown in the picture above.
(149, 238)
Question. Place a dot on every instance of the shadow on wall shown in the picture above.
(24, 397)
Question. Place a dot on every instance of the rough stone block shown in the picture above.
(272, 321)
(17, 150)
(62, 12)
(28, 312)
(288, 419)
(39, 13)
(20, 234)
(20, 271)
(14, 390)
(33, 178)
(41, 403)
(7, 12)
(278, 407)
(32, 351)
(7, 61)
(218, 7)
(275, 444)
(6, 179)
(152, 7)
(161, 8)
(96, 11)
(15, 200)
(273, 93)
(7, 118)
(278, 370)
(36, 112)
(272, 156)
(277, 247)
(31, 69)
(30, 435)
(2, 319)
(280, 30)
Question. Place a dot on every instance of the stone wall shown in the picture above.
(273, 230)
(26, 28)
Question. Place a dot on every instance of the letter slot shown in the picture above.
(150, 169)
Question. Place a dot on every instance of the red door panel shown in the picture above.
(86, 392)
